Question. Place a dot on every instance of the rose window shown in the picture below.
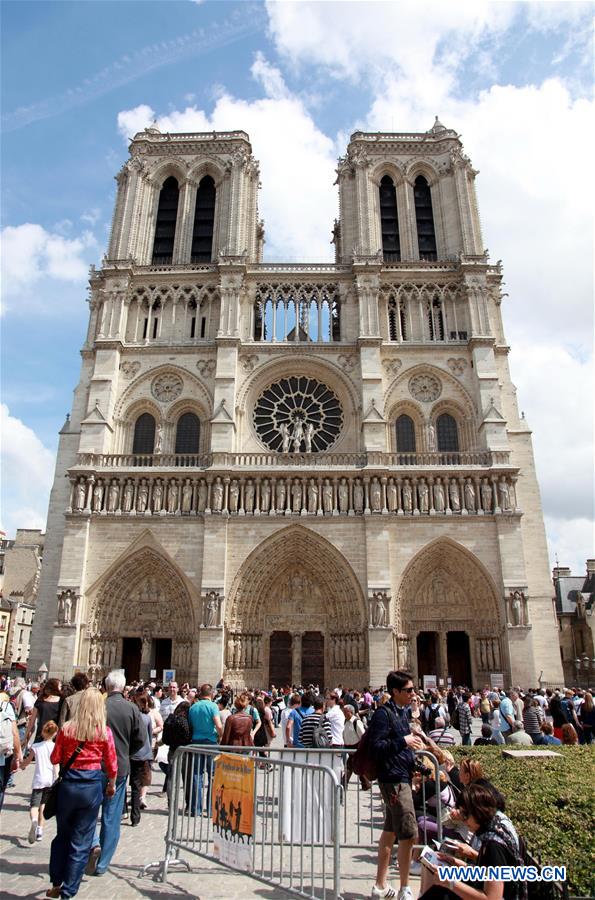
(298, 414)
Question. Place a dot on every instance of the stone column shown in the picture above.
(296, 659)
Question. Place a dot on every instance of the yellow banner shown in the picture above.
(233, 797)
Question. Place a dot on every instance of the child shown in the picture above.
(44, 777)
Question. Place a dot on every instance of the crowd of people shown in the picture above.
(96, 740)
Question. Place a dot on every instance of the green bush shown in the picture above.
(552, 803)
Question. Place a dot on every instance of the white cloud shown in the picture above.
(31, 254)
(27, 472)
(91, 216)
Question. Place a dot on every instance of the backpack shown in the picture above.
(319, 736)
(169, 730)
(363, 761)
(6, 732)
(433, 714)
(455, 719)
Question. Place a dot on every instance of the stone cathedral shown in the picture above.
(296, 473)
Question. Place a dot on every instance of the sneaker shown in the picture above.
(383, 892)
(32, 832)
(405, 893)
(39, 833)
(91, 866)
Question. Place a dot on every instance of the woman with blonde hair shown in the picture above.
(82, 745)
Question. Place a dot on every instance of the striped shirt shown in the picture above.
(442, 736)
(308, 726)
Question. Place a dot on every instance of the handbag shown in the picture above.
(52, 797)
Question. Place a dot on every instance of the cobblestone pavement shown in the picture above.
(24, 867)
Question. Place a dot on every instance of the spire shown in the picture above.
(437, 127)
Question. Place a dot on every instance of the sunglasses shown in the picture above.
(408, 690)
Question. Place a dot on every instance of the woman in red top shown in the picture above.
(81, 790)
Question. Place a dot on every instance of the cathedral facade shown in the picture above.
(296, 473)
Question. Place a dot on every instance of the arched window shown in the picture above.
(405, 434)
(447, 434)
(165, 228)
(426, 236)
(204, 219)
(389, 220)
(144, 434)
(188, 433)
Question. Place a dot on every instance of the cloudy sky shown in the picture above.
(514, 79)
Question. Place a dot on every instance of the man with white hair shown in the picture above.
(129, 733)
(440, 733)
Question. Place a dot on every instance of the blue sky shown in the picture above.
(513, 78)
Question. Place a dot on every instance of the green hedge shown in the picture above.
(552, 802)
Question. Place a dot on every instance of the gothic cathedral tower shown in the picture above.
(296, 473)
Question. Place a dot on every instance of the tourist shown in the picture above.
(264, 732)
(336, 718)
(353, 731)
(169, 703)
(156, 730)
(128, 730)
(586, 718)
(559, 714)
(298, 715)
(310, 725)
(140, 762)
(569, 735)
(518, 736)
(486, 739)
(440, 733)
(238, 729)
(10, 746)
(392, 743)
(507, 716)
(23, 702)
(176, 733)
(206, 730)
(547, 731)
(224, 710)
(43, 778)
(286, 722)
(46, 709)
(84, 744)
(532, 719)
(499, 847)
(79, 682)
(495, 720)
(465, 719)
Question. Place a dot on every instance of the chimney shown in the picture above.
(591, 567)
(560, 572)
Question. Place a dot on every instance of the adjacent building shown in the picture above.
(574, 602)
(21, 566)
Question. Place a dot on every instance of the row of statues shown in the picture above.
(244, 651)
(347, 651)
(292, 438)
(488, 652)
(302, 496)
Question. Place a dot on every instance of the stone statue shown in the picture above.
(202, 495)
(265, 496)
(358, 496)
(486, 495)
(128, 496)
(173, 495)
(60, 610)
(281, 495)
(98, 496)
(516, 608)
(423, 492)
(439, 503)
(157, 497)
(211, 609)
(407, 497)
(343, 496)
(217, 495)
(308, 435)
(285, 436)
(65, 608)
(187, 496)
(158, 439)
(504, 495)
(298, 435)
(249, 496)
(234, 494)
(469, 495)
(79, 494)
(296, 496)
(431, 438)
(455, 498)
(142, 497)
(312, 496)
(391, 496)
(113, 495)
(230, 653)
(375, 495)
(327, 496)
(379, 599)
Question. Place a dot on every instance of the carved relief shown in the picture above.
(457, 366)
(425, 388)
(129, 369)
(211, 608)
(167, 387)
(392, 366)
(249, 362)
(206, 367)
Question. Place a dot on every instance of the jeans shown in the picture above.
(466, 739)
(4, 776)
(78, 801)
(111, 813)
(193, 786)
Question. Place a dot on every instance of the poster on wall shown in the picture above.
(232, 809)
(497, 680)
(168, 675)
(430, 682)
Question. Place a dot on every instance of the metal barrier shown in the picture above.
(306, 810)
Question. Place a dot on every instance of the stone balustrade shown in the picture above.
(141, 494)
(267, 460)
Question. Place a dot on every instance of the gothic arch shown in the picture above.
(387, 167)
(452, 390)
(176, 168)
(191, 385)
(446, 583)
(208, 166)
(296, 546)
(422, 167)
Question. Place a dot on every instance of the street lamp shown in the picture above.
(42, 673)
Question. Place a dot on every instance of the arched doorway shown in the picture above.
(449, 621)
(297, 586)
(141, 618)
